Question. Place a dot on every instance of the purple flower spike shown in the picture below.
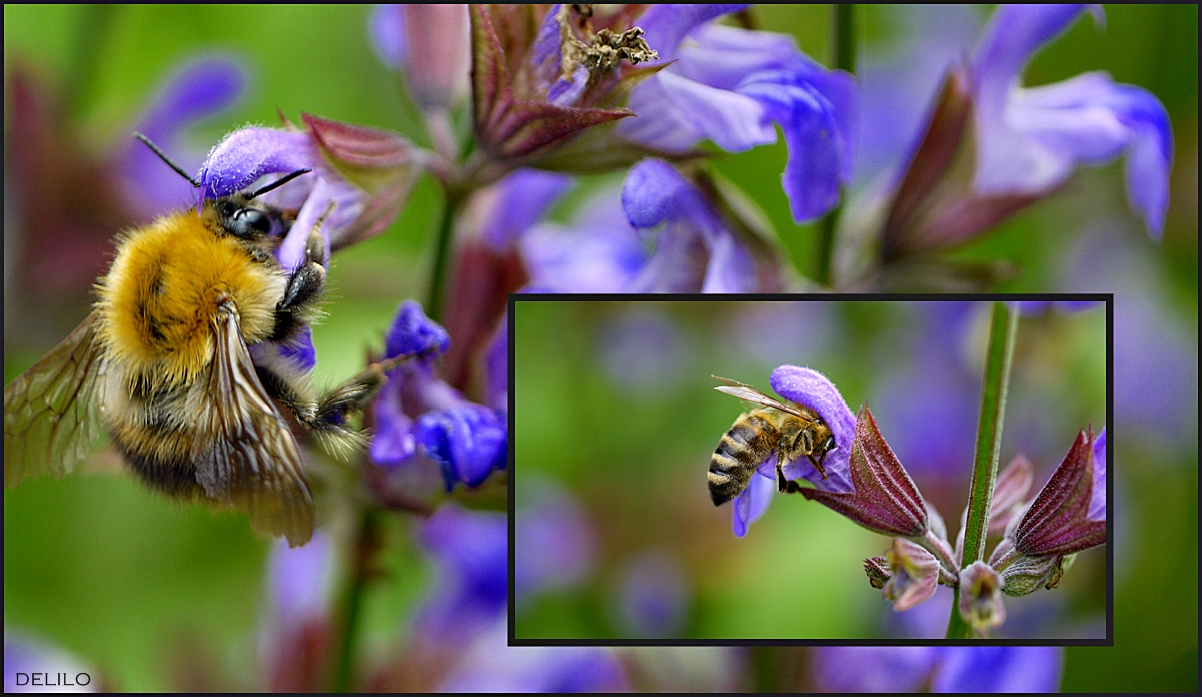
(885, 499)
(812, 389)
(1056, 523)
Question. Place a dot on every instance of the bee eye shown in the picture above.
(228, 209)
(254, 218)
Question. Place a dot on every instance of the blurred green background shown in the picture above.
(116, 575)
(614, 402)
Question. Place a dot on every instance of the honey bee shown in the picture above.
(788, 429)
(164, 362)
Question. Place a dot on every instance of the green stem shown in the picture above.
(843, 43)
(363, 554)
(442, 253)
(957, 628)
(1003, 327)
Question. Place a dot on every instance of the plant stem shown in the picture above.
(438, 278)
(362, 559)
(1003, 327)
(843, 43)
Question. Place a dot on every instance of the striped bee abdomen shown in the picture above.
(747, 445)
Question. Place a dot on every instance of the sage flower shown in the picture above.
(731, 85)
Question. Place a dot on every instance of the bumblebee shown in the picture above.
(790, 430)
(165, 362)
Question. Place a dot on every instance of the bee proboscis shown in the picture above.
(164, 363)
(788, 429)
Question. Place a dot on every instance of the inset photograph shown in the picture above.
(707, 471)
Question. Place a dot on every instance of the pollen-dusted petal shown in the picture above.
(1056, 523)
(814, 390)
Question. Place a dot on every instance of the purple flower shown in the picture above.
(813, 390)
(470, 551)
(598, 252)
(968, 669)
(694, 249)
(752, 503)
(382, 168)
(665, 237)
(505, 210)
(431, 44)
(418, 414)
(1031, 139)
(730, 85)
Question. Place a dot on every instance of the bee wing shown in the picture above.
(748, 393)
(52, 411)
(254, 461)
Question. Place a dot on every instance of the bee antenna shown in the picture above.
(155, 149)
(278, 182)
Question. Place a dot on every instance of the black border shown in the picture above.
(1107, 298)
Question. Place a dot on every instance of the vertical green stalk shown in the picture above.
(442, 253)
(362, 560)
(843, 43)
(1003, 327)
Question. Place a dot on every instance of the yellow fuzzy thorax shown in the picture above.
(159, 300)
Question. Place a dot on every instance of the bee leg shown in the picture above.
(818, 464)
(305, 286)
(782, 484)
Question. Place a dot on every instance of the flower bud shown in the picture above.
(981, 597)
(915, 573)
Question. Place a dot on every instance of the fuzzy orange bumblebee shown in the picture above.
(163, 362)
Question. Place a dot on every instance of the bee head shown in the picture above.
(236, 213)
